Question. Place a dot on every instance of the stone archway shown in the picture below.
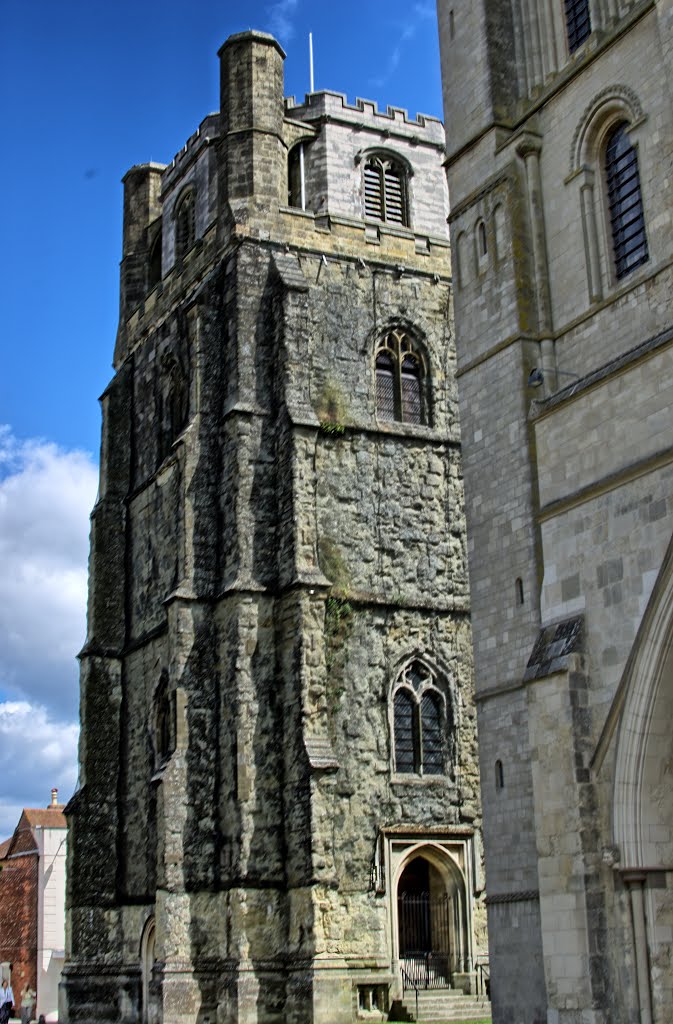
(147, 960)
(643, 798)
(433, 935)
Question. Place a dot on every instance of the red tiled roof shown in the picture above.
(4, 847)
(46, 817)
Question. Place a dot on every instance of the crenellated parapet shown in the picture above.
(339, 178)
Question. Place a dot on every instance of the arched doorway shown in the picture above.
(431, 920)
(147, 959)
(643, 798)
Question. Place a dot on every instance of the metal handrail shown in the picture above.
(411, 984)
(483, 970)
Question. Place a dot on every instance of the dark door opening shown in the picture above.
(423, 920)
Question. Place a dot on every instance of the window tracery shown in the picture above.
(400, 379)
(420, 723)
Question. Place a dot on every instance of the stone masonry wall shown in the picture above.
(274, 556)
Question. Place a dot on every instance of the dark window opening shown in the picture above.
(578, 23)
(411, 390)
(385, 386)
(400, 380)
(499, 775)
(185, 224)
(405, 731)
(431, 734)
(296, 183)
(420, 724)
(481, 232)
(519, 590)
(174, 405)
(154, 263)
(385, 191)
(627, 220)
(163, 720)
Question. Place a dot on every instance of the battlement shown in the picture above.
(206, 133)
(287, 172)
(366, 114)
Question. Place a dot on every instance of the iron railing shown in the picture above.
(483, 972)
(407, 983)
(428, 970)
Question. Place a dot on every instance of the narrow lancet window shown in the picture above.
(185, 224)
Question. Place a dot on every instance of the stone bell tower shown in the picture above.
(278, 734)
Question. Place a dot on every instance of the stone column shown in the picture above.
(529, 150)
(532, 37)
(635, 882)
(590, 230)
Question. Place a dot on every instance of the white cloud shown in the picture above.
(37, 752)
(46, 494)
(407, 33)
(427, 11)
(280, 18)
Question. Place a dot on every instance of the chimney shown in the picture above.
(54, 797)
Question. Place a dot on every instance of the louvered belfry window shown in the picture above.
(420, 741)
(385, 191)
(400, 380)
(627, 221)
(578, 23)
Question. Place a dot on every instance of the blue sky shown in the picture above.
(87, 89)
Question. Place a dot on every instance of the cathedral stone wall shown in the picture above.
(563, 333)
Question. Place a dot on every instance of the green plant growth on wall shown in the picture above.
(332, 428)
(338, 627)
(331, 409)
(333, 566)
(338, 614)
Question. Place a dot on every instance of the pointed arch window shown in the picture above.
(174, 404)
(420, 724)
(163, 721)
(185, 224)
(625, 205)
(400, 380)
(385, 188)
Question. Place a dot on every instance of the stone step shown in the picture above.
(444, 1005)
